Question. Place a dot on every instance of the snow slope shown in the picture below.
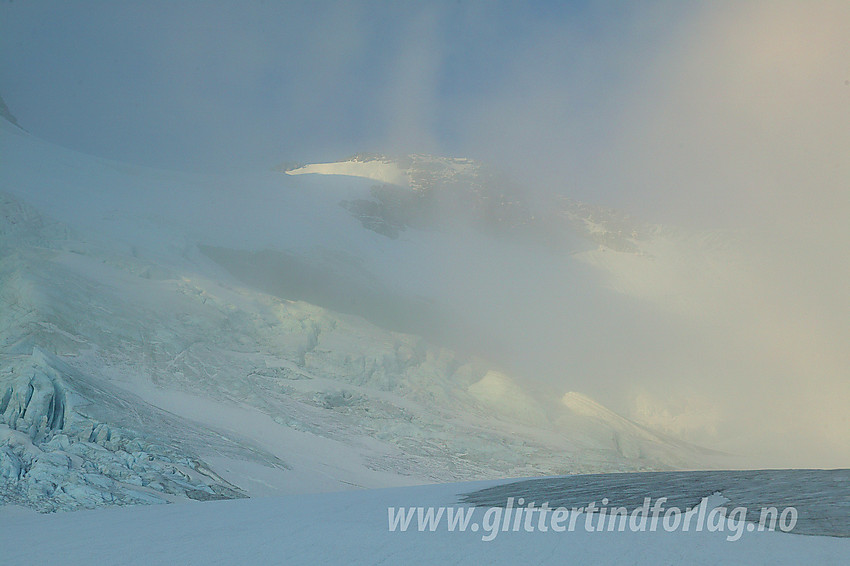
(105, 288)
(323, 400)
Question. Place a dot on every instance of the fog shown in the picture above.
(729, 122)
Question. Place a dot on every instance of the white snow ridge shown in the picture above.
(375, 170)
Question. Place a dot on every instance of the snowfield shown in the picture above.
(353, 528)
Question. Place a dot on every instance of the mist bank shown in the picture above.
(725, 123)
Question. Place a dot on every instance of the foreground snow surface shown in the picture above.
(352, 528)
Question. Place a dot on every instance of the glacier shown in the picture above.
(232, 390)
(158, 352)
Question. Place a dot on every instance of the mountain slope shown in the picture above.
(302, 398)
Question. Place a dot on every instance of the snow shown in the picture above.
(135, 371)
(102, 277)
(65, 444)
(375, 170)
(352, 528)
(500, 392)
(301, 399)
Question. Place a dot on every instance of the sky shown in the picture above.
(623, 104)
(592, 98)
(715, 116)
(189, 84)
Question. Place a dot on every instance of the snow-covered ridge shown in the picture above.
(431, 192)
(416, 171)
(421, 190)
(376, 170)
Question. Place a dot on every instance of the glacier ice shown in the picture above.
(55, 456)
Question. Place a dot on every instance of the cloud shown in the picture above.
(727, 116)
